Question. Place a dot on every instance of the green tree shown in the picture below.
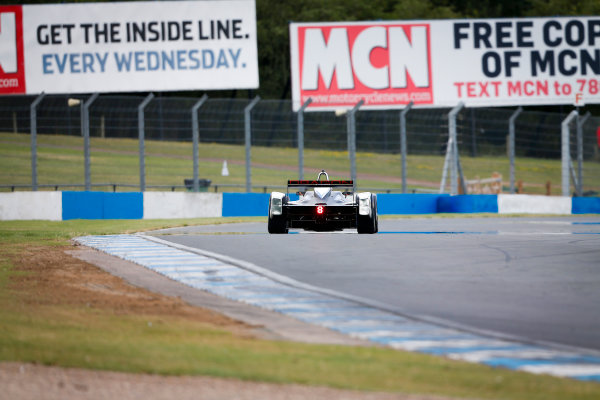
(546, 8)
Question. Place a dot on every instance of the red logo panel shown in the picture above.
(384, 64)
(12, 57)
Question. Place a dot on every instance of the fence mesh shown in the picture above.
(481, 132)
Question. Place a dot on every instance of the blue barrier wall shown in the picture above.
(102, 205)
(468, 203)
(245, 204)
(106, 205)
(123, 206)
(248, 204)
(586, 205)
(257, 204)
(408, 203)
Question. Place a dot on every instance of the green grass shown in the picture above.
(73, 335)
(60, 161)
(53, 233)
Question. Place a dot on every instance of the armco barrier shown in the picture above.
(162, 205)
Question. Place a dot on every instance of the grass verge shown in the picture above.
(54, 311)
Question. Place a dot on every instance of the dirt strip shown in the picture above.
(34, 382)
(264, 323)
(72, 278)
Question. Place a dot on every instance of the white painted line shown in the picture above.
(399, 333)
(415, 345)
(198, 266)
(571, 370)
(519, 354)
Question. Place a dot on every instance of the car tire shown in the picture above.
(277, 223)
(374, 213)
(368, 224)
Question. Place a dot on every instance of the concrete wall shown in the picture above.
(56, 206)
(31, 205)
(161, 205)
(529, 204)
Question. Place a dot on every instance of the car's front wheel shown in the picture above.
(374, 213)
(368, 223)
(277, 223)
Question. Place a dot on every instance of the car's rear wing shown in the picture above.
(317, 183)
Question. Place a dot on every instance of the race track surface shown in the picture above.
(535, 278)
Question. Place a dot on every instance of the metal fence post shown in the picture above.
(33, 117)
(142, 140)
(455, 161)
(451, 161)
(511, 146)
(565, 152)
(473, 134)
(85, 128)
(300, 129)
(248, 140)
(461, 177)
(580, 122)
(403, 142)
(196, 140)
(351, 126)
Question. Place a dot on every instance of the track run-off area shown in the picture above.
(521, 293)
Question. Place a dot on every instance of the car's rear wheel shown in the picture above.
(368, 223)
(374, 212)
(278, 223)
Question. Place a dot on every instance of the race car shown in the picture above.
(320, 208)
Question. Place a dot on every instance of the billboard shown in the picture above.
(439, 63)
(128, 47)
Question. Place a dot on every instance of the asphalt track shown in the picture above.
(535, 278)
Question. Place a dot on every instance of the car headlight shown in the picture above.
(364, 205)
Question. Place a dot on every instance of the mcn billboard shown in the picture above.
(439, 63)
(123, 47)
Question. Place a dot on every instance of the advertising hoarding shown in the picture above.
(439, 63)
(128, 46)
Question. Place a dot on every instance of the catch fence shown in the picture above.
(482, 136)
